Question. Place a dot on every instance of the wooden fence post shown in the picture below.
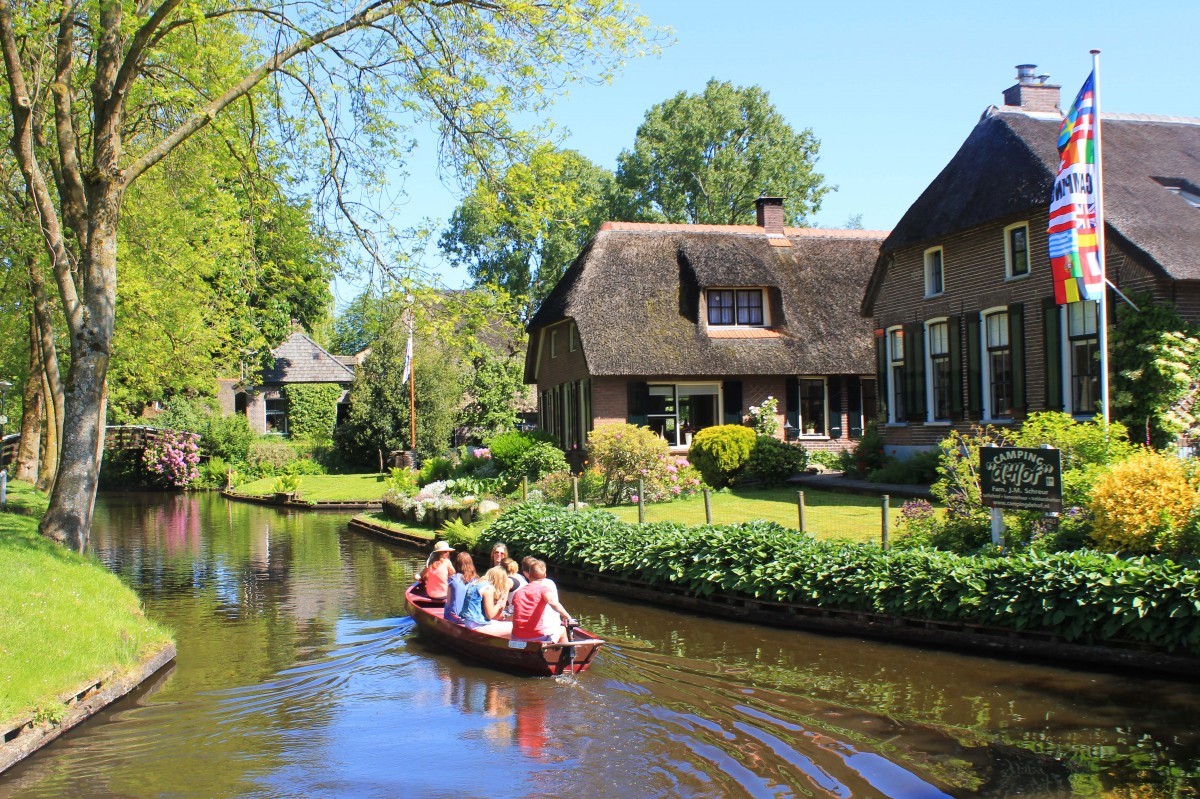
(574, 492)
(707, 506)
(887, 501)
(525, 488)
(641, 501)
(800, 509)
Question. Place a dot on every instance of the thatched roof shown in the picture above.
(1007, 166)
(634, 294)
(299, 359)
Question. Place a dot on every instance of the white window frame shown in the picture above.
(553, 343)
(890, 388)
(1008, 253)
(1068, 390)
(766, 307)
(986, 362)
(929, 292)
(824, 432)
(677, 424)
(572, 337)
(929, 398)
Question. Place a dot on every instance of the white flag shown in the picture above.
(408, 350)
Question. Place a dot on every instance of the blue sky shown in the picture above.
(891, 89)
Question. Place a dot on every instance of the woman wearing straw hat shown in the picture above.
(437, 571)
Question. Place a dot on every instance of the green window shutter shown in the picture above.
(1052, 346)
(914, 372)
(881, 375)
(974, 361)
(1016, 341)
(639, 396)
(732, 389)
(953, 335)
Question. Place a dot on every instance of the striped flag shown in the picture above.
(1074, 253)
(408, 350)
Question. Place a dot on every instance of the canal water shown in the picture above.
(298, 675)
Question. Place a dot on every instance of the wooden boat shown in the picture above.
(528, 657)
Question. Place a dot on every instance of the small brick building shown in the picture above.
(681, 327)
(298, 359)
(962, 296)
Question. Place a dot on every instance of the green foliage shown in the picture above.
(1156, 356)
(1080, 596)
(270, 455)
(433, 470)
(704, 158)
(495, 383)
(311, 408)
(122, 468)
(227, 437)
(625, 453)
(772, 461)
(402, 481)
(828, 459)
(868, 455)
(1146, 505)
(286, 484)
(521, 231)
(919, 469)
(214, 473)
(763, 418)
(720, 452)
(557, 487)
(507, 448)
(540, 458)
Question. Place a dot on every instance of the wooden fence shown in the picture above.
(124, 436)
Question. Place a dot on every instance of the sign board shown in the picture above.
(1020, 478)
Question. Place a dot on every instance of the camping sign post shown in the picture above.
(1019, 478)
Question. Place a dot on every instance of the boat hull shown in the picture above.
(525, 657)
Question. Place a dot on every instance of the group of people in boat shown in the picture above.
(508, 600)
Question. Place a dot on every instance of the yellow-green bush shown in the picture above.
(1141, 503)
(720, 452)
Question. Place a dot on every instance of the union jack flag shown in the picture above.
(1074, 254)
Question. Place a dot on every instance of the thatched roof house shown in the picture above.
(962, 293)
(684, 326)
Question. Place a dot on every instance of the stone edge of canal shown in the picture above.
(27, 737)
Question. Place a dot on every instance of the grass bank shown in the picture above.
(827, 514)
(67, 620)
(325, 487)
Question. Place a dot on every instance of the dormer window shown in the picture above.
(743, 307)
(933, 272)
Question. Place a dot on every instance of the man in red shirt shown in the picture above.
(537, 614)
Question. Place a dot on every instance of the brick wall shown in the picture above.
(974, 280)
(566, 365)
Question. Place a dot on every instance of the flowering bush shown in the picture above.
(918, 524)
(682, 480)
(170, 459)
(438, 495)
(763, 419)
(625, 453)
(1142, 504)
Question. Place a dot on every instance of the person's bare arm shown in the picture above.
(556, 606)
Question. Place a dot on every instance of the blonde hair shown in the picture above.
(511, 566)
(498, 577)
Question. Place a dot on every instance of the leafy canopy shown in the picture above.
(704, 158)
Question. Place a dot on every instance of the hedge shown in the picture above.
(312, 408)
(1082, 596)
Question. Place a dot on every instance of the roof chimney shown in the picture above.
(1032, 93)
(769, 211)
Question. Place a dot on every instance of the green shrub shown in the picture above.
(720, 452)
(1080, 596)
(214, 472)
(401, 481)
(868, 455)
(433, 470)
(919, 469)
(270, 455)
(1145, 505)
(477, 465)
(773, 461)
(121, 468)
(507, 448)
(625, 453)
(557, 489)
(286, 484)
(827, 458)
(312, 408)
(303, 466)
(541, 458)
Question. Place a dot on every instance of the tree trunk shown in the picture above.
(53, 391)
(50, 438)
(32, 410)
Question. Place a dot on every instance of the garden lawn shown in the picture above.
(325, 487)
(67, 620)
(828, 515)
(383, 520)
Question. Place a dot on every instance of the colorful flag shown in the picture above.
(408, 350)
(1074, 254)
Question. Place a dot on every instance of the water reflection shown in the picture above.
(299, 676)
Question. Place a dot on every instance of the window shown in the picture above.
(1016, 250)
(553, 343)
(1083, 341)
(676, 412)
(895, 356)
(277, 416)
(998, 367)
(572, 337)
(933, 272)
(735, 307)
(938, 369)
(814, 406)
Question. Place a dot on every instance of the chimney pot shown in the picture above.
(769, 213)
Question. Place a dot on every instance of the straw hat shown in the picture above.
(442, 546)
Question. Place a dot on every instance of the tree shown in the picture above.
(522, 232)
(704, 158)
(102, 91)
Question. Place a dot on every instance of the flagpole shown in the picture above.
(1102, 315)
(412, 382)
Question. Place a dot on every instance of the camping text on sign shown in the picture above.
(1020, 478)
